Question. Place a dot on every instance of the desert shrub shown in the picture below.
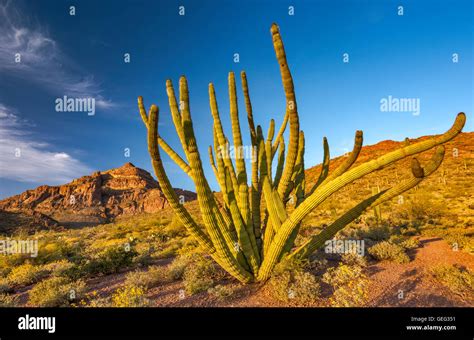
(342, 274)
(420, 209)
(177, 267)
(458, 280)
(354, 259)
(353, 294)
(388, 251)
(26, 274)
(99, 302)
(175, 228)
(56, 250)
(410, 229)
(5, 286)
(410, 243)
(170, 250)
(220, 292)
(110, 261)
(199, 276)
(130, 296)
(290, 283)
(150, 278)
(375, 232)
(58, 268)
(92, 299)
(404, 241)
(349, 284)
(56, 292)
(7, 300)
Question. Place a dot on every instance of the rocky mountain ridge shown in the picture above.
(94, 199)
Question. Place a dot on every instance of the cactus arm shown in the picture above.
(281, 162)
(317, 241)
(291, 110)
(222, 238)
(219, 177)
(211, 214)
(279, 206)
(243, 237)
(236, 133)
(326, 190)
(243, 195)
(324, 167)
(299, 188)
(350, 159)
(280, 133)
(329, 232)
(221, 138)
(268, 150)
(141, 109)
(174, 156)
(175, 113)
(254, 189)
(213, 164)
(166, 187)
(271, 215)
(267, 188)
(248, 107)
(298, 177)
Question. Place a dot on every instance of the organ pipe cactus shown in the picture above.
(251, 230)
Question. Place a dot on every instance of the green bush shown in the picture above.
(291, 284)
(130, 296)
(354, 259)
(26, 274)
(220, 292)
(148, 279)
(58, 268)
(422, 208)
(7, 300)
(388, 251)
(111, 261)
(375, 232)
(342, 274)
(199, 276)
(349, 284)
(458, 280)
(177, 267)
(5, 286)
(175, 228)
(56, 292)
(352, 294)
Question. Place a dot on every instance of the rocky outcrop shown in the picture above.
(94, 199)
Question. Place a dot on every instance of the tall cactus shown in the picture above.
(251, 230)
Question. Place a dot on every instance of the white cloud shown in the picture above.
(42, 61)
(27, 160)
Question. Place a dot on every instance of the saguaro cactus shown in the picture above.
(244, 236)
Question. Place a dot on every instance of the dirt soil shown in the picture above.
(391, 284)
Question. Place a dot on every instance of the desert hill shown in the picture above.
(89, 200)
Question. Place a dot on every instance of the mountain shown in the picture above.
(128, 190)
(89, 200)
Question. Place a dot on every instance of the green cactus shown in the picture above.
(250, 230)
(377, 211)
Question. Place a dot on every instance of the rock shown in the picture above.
(98, 198)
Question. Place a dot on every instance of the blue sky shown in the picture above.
(407, 56)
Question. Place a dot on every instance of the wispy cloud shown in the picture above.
(24, 159)
(42, 60)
